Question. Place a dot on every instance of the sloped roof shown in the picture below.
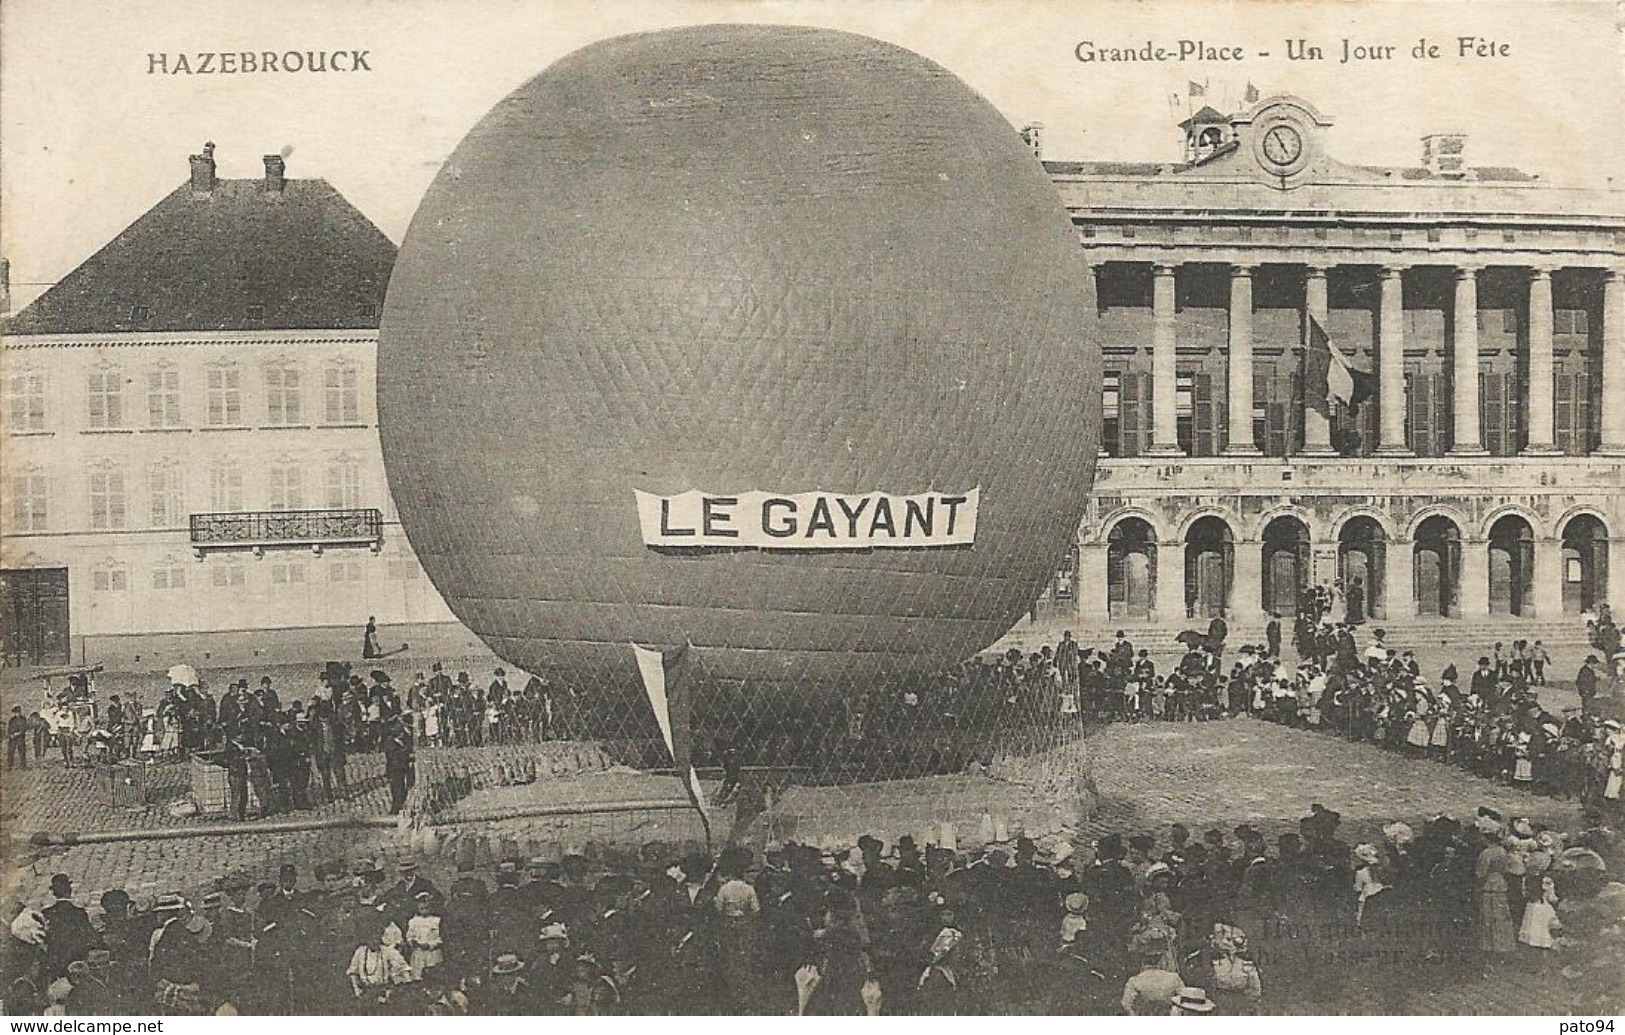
(1205, 116)
(202, 261)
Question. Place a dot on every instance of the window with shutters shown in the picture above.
(225, 397)
(226, 488)
(1277, 399)
(168, 501)
(1110, 428)
(108, 508)
(106, 398)
(30, 500)
(164, 398)
(1207, 417)
(343, 483)
(1427, 429)
(229, 575)
(1134, 413)
(1572, 411)
(1499, 413)
(343, 406)
(285, 485)
(170, 574)
(111, 579)
(25, 401)
(284, 404)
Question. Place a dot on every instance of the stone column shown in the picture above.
(1542, 429)
(1391, 365)
(1474, 589)
(1247, 587)
(1468, 438)
(1164, 365)
(1613, 377)
(1548, 578)
(1090, 593)
(1170, 593)
(1239, 377)
(1317, 429)
(1398, 580)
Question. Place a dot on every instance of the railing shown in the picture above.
(257, 529)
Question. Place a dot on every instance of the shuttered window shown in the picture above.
(1427, 431)
(1573, 412)
(1499, 413)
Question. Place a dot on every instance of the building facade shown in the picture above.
(1484, 308)
(190, 436)
(191, 445)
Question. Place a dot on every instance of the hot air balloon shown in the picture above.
(754, 263)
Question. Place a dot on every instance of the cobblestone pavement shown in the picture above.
(1203, 774)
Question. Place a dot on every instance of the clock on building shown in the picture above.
(1282, 145)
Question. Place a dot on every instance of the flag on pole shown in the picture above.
(1196, 89)
(1251, 96)
(663, 674)
(1327, 375)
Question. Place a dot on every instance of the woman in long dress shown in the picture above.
(1496, 934)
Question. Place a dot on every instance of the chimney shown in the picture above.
(203, 180)
(274, 169)
(1032, 133)
(1445, 154)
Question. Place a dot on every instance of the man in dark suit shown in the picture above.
(68, 933)
(1272, 635)
(1585, 684)
(397, 744)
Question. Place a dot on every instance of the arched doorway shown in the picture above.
(1209, 567)
(1361, 562)
(1286, 564)
(1131, 569)
(1436, 563)
(1512, 566)
(1585, 564)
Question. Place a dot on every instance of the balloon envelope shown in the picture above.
(737, 258)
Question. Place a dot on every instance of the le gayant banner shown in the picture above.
(808, 520)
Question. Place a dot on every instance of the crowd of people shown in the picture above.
(1174, 922)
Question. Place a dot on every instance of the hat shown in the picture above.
(211, 900)
(1192, 1000)
(265, 680)
(1610, 724)
(361, 868)
(115, 898)
(61, 885)
(171, 903)
(947, 939)
(554, 932)
(378, 675)
(1076, 902)
(423, 896)
(409, 866)
(507, 963)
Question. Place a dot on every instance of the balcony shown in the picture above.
(259, 529)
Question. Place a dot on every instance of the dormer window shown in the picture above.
(256, 313)
(140, 313)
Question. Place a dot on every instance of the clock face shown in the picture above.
(1283, 145)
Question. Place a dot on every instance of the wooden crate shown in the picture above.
(126, 784)
(211, 786)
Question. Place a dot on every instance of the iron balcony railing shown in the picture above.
(258, 529)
